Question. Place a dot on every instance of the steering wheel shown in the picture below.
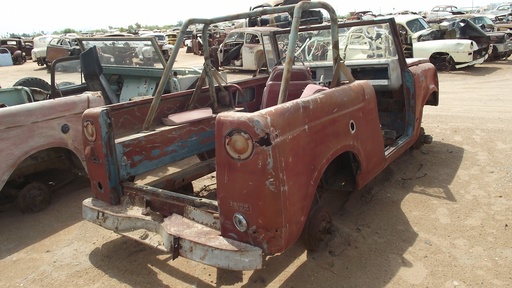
(234, 88)
(369, 32)
(231, 88)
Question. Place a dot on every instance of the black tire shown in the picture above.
(34, 82)
(38, 83)
(19, 60)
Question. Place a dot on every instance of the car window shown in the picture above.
(252, 38)
(417, 25)
(235, 36)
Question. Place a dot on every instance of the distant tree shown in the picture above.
(68, 30)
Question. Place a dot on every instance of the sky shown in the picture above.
(100, 14)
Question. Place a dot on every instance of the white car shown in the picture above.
(420, 40)
(243, 49)
(441, 12)
(39, 51)
(163, 43)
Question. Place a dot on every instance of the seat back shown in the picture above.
(300, 78)
(93, 74)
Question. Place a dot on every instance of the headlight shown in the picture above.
(239, 145)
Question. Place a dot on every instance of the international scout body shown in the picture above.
(41, 124)
(340, 105)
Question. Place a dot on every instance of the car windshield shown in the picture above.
(235, 37)
(416, 25)
(356, 43)
(481, 20)
(125, 51)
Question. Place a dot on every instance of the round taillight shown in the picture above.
(89, 131)
(239, 145)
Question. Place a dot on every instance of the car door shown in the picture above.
(57, 48)
(252, 51)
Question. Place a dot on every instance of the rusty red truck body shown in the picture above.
(334, 112)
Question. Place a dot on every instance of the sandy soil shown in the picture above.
(439, 217)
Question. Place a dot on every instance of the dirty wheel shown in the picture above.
(34, 197)
(318, 228)
(450, 64)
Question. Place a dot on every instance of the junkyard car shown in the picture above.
(61, 47)
(277, 142)
(172, 37)
(163, 43)
(501, 40)
(243, 49)
(283, 20)
(441, 12)
(39, 50)
(16, 47)
(440, 45)
(502, 12)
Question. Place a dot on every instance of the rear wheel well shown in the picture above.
(49, 159)
(37, 176)
(340, 174)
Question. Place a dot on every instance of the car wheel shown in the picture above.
(34, 197)
(19, 60)
(318, 228)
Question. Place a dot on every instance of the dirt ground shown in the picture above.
(440, 216)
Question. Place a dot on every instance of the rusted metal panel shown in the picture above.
(269, 188)
(145, 151)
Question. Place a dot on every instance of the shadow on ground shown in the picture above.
(22, 230)
(371, 237)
